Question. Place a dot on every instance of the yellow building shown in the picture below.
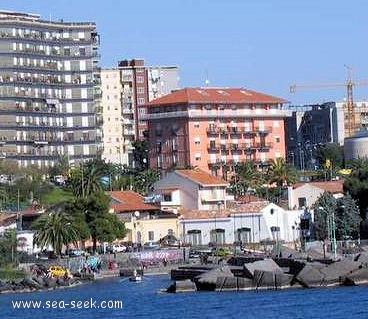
(145, 222)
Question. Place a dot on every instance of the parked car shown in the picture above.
(116, 248)
(151, 245)
(57, 271)
(75, 252)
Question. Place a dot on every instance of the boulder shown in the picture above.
(233, 283)
(335, 273)
(310, 276)
(271, 279)
(357, 277)
(182, 286)
(261, 265)
(208, 280)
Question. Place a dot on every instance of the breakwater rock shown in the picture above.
(271, 273)
(37, 283)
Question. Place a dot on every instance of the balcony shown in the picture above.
(213, 147)
(212, 131)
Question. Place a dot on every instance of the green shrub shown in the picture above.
(10, 274)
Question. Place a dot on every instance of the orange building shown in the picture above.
(214, 128)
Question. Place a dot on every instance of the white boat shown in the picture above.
(136, 278)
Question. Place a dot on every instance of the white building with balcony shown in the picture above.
(191, 190)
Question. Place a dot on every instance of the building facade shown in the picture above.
(191, 189)
(215, 128)
(126, 90)
(48, 90)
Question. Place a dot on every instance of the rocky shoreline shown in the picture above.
(32, 284)
(264, 272)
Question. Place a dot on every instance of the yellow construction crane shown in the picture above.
(350, 123)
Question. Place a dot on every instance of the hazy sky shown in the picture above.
(258, 44)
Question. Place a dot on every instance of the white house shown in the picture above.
(191, 190)
(306, 194)
(249, 223)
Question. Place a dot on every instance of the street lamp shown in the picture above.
(235, 233)
(331, 228)
(136, 216)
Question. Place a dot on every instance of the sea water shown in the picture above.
(144, 300)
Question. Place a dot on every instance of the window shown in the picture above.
(140, 79)
(151, 235)
(277, 139)
(218, 236)
(140, 90)
(167, 197)
(194, 237)
(141, 100)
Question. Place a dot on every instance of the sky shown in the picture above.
(261, 45)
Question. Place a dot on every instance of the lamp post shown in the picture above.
(331, 229)
(235, 232)
(135, 218)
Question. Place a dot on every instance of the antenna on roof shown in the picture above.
(207, 81)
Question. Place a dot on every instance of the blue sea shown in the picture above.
(143, 300)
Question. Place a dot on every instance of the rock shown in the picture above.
(335, 273)
(358, 277)
(31, 283)
(261, 265)
(310, 276)
(208, 280)
(233, 283)
(182, 286)
(271, 280)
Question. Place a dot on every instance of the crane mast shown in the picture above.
(350, 123)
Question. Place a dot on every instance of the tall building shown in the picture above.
(49, 90)
(113, 117)
(126, 91)
(214, 128)
(141, 84)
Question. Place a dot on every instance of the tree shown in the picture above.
(356, 184)
(102, 225)
(281, 172)
(8, 248)
(246, 178)
(140, 154)
(144, 180)
(54, 229)
(87, 179)
(330, 155)
(343, 212)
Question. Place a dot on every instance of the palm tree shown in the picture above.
(247, 177)
(87, 179)
(55, 229)
(281, 172)
(144, 180)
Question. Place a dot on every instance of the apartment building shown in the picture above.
(115, 119)
(141, 84)
(49, 90)
(126, 91)
(215, 128)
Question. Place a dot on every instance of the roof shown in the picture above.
(216, 95)
(250, 208)
(128, 201)
(329, 186)
(201, 177)
(7, 219)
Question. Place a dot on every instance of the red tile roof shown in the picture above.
(329, 186)
(128, 201)
(216, 95)
(254, 207)
(201, 177)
